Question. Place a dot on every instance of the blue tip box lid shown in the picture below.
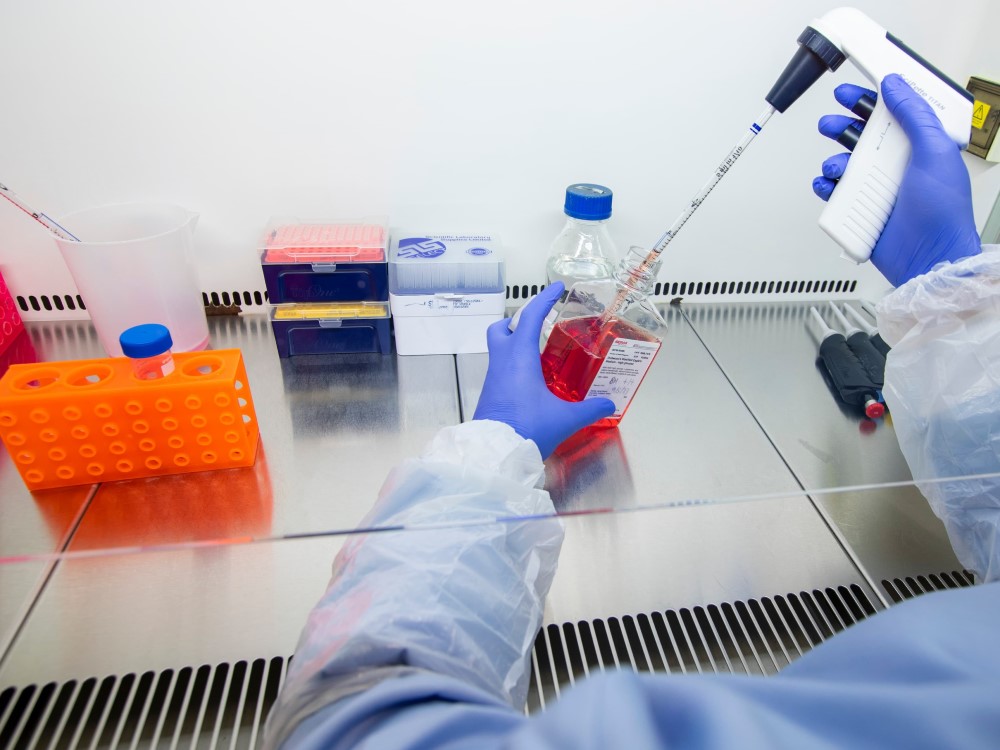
(421, 263)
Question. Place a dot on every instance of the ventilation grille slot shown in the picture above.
(900, 589)
(257, 298)
(755, 637)
(224, 300)
(226, 705)
(673, 289)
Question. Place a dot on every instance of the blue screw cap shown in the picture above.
(146, 340)
(588, 201)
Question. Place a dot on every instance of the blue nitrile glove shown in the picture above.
(515, 392)
(932, 220)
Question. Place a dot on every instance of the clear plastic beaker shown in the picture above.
(134, 264)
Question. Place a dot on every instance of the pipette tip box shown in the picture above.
(337, 261)
(331, 328)
(445, 291)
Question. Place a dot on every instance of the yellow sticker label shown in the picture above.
(980, 111)
(330, 311)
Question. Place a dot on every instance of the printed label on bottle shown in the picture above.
(622, 371)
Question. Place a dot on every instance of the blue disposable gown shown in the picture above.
(422, 638)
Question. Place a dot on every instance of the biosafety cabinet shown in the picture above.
(740, 514)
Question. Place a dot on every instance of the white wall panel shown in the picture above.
(442, 114)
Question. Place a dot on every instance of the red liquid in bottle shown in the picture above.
(575, 351)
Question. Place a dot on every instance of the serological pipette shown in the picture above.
(720, 171)
(46, 221)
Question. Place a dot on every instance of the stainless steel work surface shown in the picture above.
(686, 436)
(119, 613)
(129, 613)
(20, 583)
(40, 522)
(332, 426)
(771, 360)
(647, 560)
(331, 429)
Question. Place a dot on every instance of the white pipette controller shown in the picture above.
(859, 208)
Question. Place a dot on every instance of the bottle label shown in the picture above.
(622, 371)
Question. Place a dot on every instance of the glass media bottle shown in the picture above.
(583, 250)
(593, 353)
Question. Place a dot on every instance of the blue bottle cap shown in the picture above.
(146, 340)
(588, 202)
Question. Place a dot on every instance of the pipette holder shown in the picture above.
(84, 421)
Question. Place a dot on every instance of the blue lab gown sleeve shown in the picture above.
(423, 638)
(459, 595)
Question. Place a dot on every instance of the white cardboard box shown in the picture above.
(444, 323)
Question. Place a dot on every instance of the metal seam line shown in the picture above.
(848, 550)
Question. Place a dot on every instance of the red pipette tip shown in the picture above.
(874, 410)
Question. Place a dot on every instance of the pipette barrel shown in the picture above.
(667, 237)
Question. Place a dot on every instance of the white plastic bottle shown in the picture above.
(583, 250)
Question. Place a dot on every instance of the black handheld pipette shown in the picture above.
(849, 377)
(859, 343)
(873, 335)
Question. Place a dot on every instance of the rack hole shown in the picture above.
(90, 375)
(202, 366)
(37, 380)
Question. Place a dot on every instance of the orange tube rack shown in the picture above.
(84, 421)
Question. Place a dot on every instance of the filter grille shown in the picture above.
(900, 589)
(753, 637)
(225, 705)
(218, 706)
(235, 301)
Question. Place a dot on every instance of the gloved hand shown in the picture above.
(515, 392)
(932, 220)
